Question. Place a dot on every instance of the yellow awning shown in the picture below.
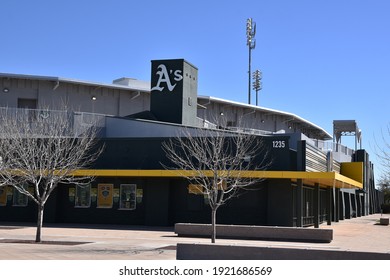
(324, 179)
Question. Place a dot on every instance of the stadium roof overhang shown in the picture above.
(320, 132)
(57, 80)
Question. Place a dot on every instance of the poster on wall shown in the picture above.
(140, 194)
(93, 194)
(3, 195)
(20, 199)
(127, 196)
(10, 190)
(83, 196)
(105, 195)
(71, 194)
(195, 189)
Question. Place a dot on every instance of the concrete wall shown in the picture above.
(77, 97)
(256, 232)
(229, 252)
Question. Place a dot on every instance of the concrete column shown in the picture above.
(341, 205)
(348, 205)
(299, 203)
(337, 205)
(358, 205)
(329, 210)
(316, 206)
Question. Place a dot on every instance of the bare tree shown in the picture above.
(218, 163)
(384, 187)
(42, 148)
(382, 151)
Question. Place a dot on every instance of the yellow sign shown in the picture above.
(3, 195)
(105, 195)
(140, 194)
(195, 189)
(71, 191)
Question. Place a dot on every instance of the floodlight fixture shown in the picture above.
(251, 43)
(257, 85)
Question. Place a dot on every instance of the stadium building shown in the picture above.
(312, 178)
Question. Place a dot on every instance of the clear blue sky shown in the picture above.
(321, 60)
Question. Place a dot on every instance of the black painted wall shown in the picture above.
(165, 201)
(147, 153)
(280, 199)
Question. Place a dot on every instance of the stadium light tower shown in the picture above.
(251, 43)
(257, 85)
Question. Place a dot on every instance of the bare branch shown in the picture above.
(382, 150)
(42, 148)
(217, 159)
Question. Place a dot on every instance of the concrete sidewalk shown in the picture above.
(107, 242)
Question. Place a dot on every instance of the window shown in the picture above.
(128, 196)
(27, 103)
(83, 196)
(30, 105)
(19, 198)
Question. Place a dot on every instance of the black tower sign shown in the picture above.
(174, 86)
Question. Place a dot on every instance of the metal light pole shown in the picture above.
(251, 43)
(257, 85)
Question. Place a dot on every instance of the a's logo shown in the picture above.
(165, 77)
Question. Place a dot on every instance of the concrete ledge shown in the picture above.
(228, 252)
(256, 232)
(384, 221)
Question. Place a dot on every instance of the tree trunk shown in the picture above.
(38, 237)
(213, 225)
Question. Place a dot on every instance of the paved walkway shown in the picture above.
(147, 243)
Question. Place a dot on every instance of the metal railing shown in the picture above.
(78, 121)
(249, 130)
(332, 146)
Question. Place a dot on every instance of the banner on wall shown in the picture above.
(105, 195)
(3, 195)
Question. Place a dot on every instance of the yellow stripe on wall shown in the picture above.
(325, 179)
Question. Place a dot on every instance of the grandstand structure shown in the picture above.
(312, 178)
